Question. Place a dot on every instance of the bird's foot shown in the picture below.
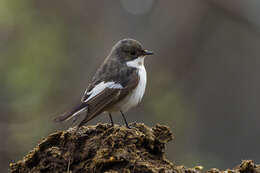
(129, 126)
(110, 125)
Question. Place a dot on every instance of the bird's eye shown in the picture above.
(133, 53)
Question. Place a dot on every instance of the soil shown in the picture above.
(102, 148)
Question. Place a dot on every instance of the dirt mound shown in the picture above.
(247, 166)
(100, 148)
(117, 149)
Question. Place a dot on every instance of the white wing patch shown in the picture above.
(100, 87)
(116, 86)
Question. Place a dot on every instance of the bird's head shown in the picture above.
(128, 50)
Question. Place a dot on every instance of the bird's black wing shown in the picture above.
(110, 96)
(110, 71)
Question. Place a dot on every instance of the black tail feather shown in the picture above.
(67, 115)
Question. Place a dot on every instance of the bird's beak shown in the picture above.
(148, 52)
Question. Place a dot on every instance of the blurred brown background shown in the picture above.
(203, 80)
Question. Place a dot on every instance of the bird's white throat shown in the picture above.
(136, 63)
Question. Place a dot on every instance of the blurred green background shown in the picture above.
(203, 80)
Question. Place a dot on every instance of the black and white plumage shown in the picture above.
(118, 85)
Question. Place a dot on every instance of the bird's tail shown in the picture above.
(82, 107)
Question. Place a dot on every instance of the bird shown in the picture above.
(117, 86)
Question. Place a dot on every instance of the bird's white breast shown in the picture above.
(134, 97)
(137, 94)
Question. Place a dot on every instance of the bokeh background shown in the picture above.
(203, 80)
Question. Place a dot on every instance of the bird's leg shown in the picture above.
(111, 120)
(124, 119)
